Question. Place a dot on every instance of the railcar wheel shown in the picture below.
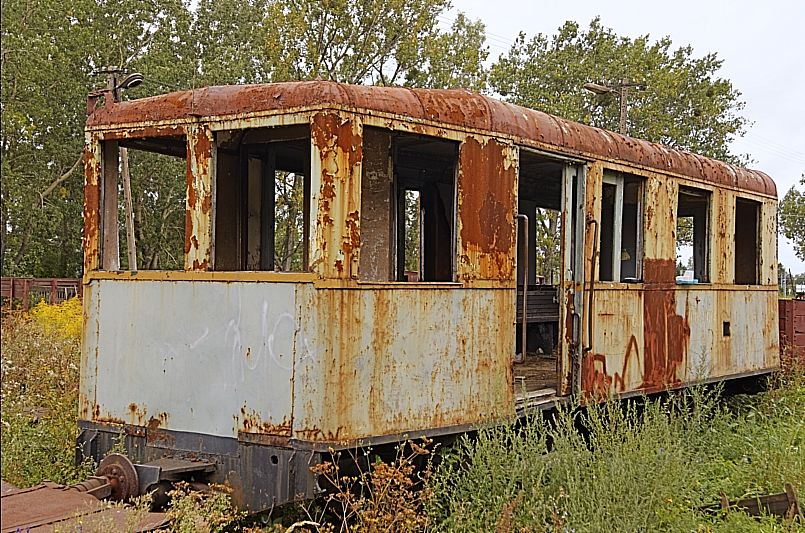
(122, 476)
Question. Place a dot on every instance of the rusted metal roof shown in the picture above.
(454, 106)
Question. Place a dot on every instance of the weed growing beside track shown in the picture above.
(634, 466)
(39, 394)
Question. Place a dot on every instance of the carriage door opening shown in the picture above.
(539, 264)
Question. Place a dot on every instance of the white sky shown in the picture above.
(762, 45)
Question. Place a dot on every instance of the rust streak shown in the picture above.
(665, 334)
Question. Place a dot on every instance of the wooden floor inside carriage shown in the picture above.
(535, 379)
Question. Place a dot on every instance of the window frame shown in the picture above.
(618, 180)
(706, 266)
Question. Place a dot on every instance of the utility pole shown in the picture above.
(623, 92)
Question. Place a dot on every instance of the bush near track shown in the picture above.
(637, 466)
(39, 394)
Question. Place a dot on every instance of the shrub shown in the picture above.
(201, 511)
(39, 396)
(626, 466)
(63, 319)
(382, 496)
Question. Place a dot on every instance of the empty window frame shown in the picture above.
(408, 189)
(540, 199)
(621, 240)
(693, 233)
(143, 203)
(262, 199)
(747, 241)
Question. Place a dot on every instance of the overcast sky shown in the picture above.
(762, 44)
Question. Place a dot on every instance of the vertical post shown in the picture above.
(52, 291)
(26, 286)
(335, 193)
(624, 89)
(524, 330)
(200, 199)
(268, 210)
(306, 213)
(110, 253)
(92, 203)
(131, 248)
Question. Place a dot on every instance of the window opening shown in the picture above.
(263, 197)
(143, 199)
(412, 211)
(621, 240)
(408, 189)
(692, 235)
(747, 241)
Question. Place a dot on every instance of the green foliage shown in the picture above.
(453, 60)
(792, 217)
(158, 201)
(638, 466)
(549, 240)
(412, 236)
(193, 511)
(288, 238)
(40, 398)
(684, 104)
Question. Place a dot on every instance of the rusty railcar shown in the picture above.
(378, 326)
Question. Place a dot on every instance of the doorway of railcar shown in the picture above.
(547, 198)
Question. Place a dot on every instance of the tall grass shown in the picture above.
(627, 466)
(39, 394)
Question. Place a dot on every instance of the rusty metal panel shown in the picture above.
(659, 218)
(460, 108)
(200, 198)
(373, 367)
(792, 329)
(662, 336)
(89, 352)
(336, 160)
(768, 243)
(487, 181)
(92, 203)
(615, 364)
(744, 324)
(214, 361)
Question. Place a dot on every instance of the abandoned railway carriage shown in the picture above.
(398, 310)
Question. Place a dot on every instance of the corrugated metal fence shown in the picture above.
(22, 292)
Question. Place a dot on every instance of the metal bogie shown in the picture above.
(399, 307)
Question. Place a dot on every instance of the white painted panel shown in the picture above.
(200, 352)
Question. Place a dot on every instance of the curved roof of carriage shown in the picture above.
(452, 106)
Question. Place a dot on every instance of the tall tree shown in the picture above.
(684, 104)
(792, 217)
(43, 75)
